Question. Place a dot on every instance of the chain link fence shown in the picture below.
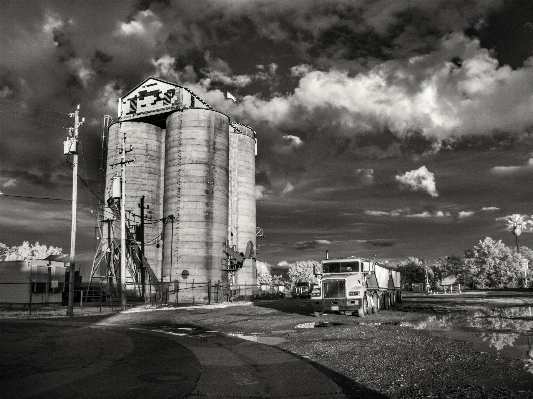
(32, 294)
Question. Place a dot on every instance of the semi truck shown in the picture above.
(354, 286)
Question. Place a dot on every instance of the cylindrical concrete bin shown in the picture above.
(196, 194)
(143, 178)
(242, 225)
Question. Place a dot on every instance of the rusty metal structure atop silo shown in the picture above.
(195, 173)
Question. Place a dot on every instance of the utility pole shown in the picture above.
(123, 226)
(71, 148)
(141, 236)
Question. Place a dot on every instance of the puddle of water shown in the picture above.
(505, 331)
(258, 338)
(305, 325)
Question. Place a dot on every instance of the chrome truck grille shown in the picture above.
(334, 288)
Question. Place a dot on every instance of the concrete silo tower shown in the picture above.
(144, 178)
(196, 193)
(242, 210)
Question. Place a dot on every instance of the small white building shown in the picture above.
(36, 281)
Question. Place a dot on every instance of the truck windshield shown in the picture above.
(341, 267)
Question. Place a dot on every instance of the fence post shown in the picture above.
(209, 292)
(100, 297)
(81, 299)
(192, 292)
(31, 291)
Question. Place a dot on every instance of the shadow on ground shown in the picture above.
(287, 305)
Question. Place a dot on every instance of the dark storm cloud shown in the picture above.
(100, 61)
(310, 244)
(17, 177)
(380, 243)
(513, 20)
(344, 95)
(63, 40)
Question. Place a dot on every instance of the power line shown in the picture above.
(33, 106)
(34, 120)
(43, 198)
(29, 112)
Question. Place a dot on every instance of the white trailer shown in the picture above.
(354, 285)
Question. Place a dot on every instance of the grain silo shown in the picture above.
(197, 176)
(242, 216)
(196, 194)
(143, 178)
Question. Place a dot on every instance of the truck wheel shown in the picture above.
(375, 299)
(400, 299)
(386, 304)
(363, 309)
(393, 299)
(367, 307)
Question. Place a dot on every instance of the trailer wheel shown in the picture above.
(400, 299)
(375, 299)
(393, 299)
(386, 301)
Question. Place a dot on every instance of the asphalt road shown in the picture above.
(92, 358)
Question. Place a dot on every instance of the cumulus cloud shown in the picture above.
(513, 169)
(407, 213)
(144, 25)
(420, 179)
(427, 93)
(10, 183)
(260, 192)
(288, 188)
(377, 213)
(393, 213)
(465, 214)
(365, 176)
(490, 208)
(426, 214)
(292, 142)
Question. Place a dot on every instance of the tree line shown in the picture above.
(489, 264)
(28, 251)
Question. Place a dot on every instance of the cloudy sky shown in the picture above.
(392, 128)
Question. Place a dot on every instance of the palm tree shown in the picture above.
(515, 224)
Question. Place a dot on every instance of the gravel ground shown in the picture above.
(378, 352)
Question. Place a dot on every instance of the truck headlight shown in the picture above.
(353, 293)
(316, 294)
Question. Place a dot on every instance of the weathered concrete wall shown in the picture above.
(196, 193)
(242, 224)
(143, 178)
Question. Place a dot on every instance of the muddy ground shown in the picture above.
(440, 346)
